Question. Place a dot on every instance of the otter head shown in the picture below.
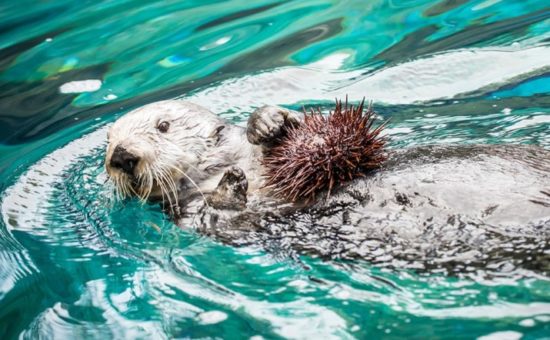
(152, 148)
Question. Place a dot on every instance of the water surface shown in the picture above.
(74, 263)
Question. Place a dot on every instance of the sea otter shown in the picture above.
(429, 205)
(174, 151)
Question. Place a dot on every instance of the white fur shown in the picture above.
(191, 156)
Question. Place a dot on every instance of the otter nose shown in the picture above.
(123, 160)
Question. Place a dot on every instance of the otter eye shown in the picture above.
(163, 126)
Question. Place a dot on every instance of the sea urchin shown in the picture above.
(324, 151)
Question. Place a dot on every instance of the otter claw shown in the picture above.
(231, 190)
(266, 124)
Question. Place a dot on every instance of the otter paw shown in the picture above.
(266, 124)
(231, 190)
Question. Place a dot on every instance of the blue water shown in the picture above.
(74, 263)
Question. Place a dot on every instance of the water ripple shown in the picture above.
(75, 263)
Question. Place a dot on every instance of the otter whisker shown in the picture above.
(148, 183)
(195, 184)
(145, 180)
(162, 171)
(163, 193)
(199, 154)
(191, 165)
(157, 174)
(115, 189)
(126, 189)
(164, 181)
(172, 184)
(137, 194)
(121, 188)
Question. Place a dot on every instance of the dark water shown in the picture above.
(74, 263)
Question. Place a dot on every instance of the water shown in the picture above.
(73, 263)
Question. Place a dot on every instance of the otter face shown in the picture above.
(152, 148)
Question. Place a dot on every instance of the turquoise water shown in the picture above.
(76, 264)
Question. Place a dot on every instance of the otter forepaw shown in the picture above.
(266, 124)
(231, 190)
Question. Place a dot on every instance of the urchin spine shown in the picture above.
(325, 151)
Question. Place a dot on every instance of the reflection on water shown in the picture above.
(73, 262)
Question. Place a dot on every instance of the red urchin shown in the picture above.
(325, 151)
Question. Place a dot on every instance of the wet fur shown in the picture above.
(452, 208)
(189, 158)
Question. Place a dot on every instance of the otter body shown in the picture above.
(458, 207)
(436, 204)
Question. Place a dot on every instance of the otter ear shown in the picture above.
(215, 135)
